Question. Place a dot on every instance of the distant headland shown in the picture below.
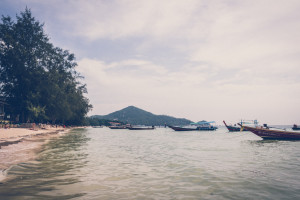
(135, 116)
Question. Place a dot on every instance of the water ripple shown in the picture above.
(158, 164)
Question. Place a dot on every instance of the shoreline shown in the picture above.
(19, 145)
(16, 135)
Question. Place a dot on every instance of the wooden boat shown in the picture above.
(179, 128)
(117, 127)
(233, 128)
(140, 127)
(271, 134)
(243, 122)
(296, 127)
(199, 126)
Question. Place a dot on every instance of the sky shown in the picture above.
(208, 60)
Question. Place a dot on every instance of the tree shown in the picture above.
(38, 80)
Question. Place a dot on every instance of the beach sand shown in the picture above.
(19, 145)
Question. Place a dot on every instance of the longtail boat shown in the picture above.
(183, 128)
(198, 126)
(141, 127)
(270, 134)
(233, 128)
(117, 127)
(236, 128)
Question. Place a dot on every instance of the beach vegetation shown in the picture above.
(37, 79)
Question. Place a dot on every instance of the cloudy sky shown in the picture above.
(195, 59)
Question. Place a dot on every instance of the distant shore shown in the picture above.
(19, 145)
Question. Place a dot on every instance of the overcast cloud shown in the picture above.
(209, 59)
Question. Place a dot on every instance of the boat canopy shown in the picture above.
(203, 123)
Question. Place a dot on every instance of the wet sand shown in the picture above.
(19, 145)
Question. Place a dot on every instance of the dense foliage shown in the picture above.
(135, 116)
(38, 80)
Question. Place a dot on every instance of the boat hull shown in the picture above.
(176, 128)
(269, 134)
(140, 128)
(233, 128)
(117, 127)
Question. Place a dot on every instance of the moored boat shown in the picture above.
(183, 128)
(272, 134)
(232, 128)
(199, 126)
(235, 128)
(140, 127)
(117, 127)
(296, 127)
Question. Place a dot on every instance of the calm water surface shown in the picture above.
(100, 163)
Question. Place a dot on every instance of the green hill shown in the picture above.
(137, 116)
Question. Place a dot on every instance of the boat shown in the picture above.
(198, 126)
(183, 128)
(140, 127)
(267, 133)
(237, 128)
(233, 128)
(296, 127)
(118, 127)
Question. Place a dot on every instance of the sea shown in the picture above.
(101, 163)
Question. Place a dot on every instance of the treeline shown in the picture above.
(38, 81)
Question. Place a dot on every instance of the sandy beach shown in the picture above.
(18, 145)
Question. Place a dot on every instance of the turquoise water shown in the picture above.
(100, 163)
